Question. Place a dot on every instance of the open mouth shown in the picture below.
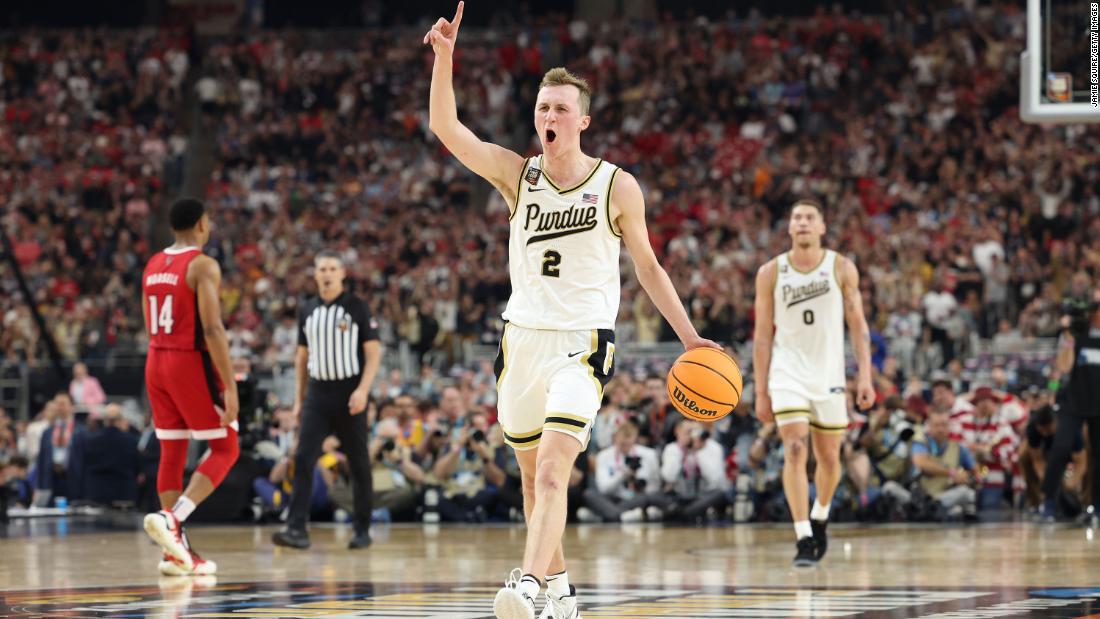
(550, 135)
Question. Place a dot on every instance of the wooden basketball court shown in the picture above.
(72, 568)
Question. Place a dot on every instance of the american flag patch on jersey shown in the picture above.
(590, 198)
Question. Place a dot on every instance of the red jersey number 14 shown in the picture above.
(160, 318)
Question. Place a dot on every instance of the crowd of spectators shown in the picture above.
(963, 222)
(966, 223)
(88, 143)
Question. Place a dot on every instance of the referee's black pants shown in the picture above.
(1066, 434)
(325, 412)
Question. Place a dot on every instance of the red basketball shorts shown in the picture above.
(185, 393)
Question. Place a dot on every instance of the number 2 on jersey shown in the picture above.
(550, 262)
(163, 320)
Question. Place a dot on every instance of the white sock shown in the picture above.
(802, 529)
(558, 583)
(183, 508)
(819, 512)
(529, 585)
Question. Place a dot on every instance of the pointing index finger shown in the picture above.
(458, 15)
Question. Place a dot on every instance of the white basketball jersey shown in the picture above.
(808, 350)
(563, 254)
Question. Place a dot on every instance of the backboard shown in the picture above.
(1059, 81)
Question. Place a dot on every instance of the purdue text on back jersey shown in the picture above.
(808, 350)
(563, 252)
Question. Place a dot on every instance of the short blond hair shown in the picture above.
(627, 430)
(560, 76)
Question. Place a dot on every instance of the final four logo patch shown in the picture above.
(533, 175)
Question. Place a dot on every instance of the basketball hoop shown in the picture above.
(1056, 103)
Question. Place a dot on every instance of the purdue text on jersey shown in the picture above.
(563, 252)
(557, 224)
(808, 351)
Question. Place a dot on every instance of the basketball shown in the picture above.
(705, 384)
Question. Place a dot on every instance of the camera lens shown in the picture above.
(389, 445)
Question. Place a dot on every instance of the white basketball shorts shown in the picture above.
(551, 381)
(827, 414)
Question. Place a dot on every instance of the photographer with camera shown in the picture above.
(1076, 380)
(887, 438)
(628, 481)
(395, 476)
(463, 471)
(946, 467)
(693, 469)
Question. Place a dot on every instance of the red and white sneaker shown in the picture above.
(169, 566)
(203, 567)
(164, 528)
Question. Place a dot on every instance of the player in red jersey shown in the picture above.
(188, 358)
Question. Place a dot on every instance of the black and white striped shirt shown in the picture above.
(334, 333)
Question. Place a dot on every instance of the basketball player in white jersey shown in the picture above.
(803, 299)
(568, 213)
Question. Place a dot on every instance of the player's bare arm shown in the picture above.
(763, 335)
(857, 327)
(205, 277)
(372, 351)
(628, 212)
(145, 314)
(1063, 360)
(496, 164)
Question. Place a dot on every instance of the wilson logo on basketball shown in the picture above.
(690, 404)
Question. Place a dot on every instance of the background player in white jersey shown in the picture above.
(568, 212)
(803, 298)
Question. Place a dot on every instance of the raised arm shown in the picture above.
(496, 164)
(857, 327)
(628, 202)
(763, 335)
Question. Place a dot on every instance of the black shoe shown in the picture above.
(807, 553)
(820, 539)
(291, 538)
(361, 540)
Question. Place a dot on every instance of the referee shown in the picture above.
(338, 346)
(1078, 363)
